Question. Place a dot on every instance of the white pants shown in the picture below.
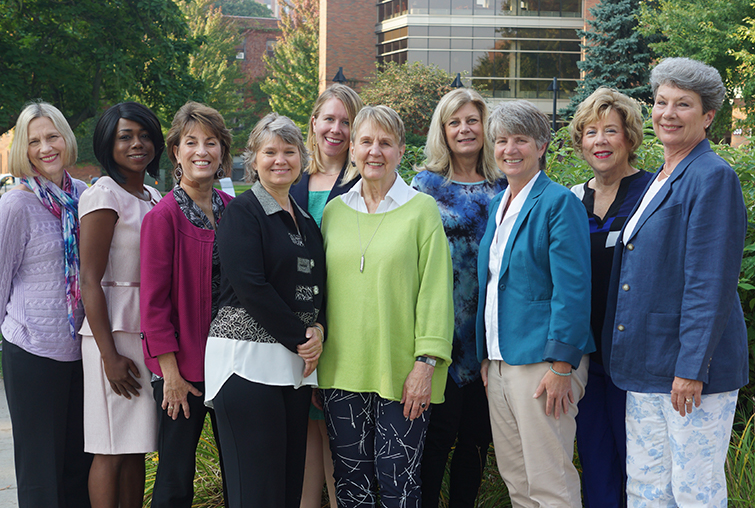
(675, 461)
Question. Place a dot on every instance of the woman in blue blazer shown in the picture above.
(679, 342)
(533, 318)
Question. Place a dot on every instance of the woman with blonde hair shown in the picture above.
(606, 132)
(461, 175)
(324, 179)
(41, 312)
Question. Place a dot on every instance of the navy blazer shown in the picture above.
(673, 308)
(300, 191)
(544, 280)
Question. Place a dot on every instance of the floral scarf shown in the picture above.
(63, 203)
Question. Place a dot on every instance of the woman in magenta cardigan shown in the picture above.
(179, 293)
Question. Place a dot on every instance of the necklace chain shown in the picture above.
(359, 231)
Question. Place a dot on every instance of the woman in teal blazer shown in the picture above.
(533, 319)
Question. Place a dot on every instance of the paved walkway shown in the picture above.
(8, 497)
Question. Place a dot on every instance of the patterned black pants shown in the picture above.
(375, 450)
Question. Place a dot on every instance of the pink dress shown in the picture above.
(115, 425)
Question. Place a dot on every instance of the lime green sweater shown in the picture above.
(400, 307)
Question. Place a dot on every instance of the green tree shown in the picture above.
(616, 54)
(84, 55)
(712, 31)
(413, 90)
(213, 62)
(293, 73)
(244, 8)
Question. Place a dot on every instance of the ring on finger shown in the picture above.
(689, 400)
(423, 405)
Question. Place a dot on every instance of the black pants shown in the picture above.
(177, 450)
(463, 415)
(46, 404)
(263, 432)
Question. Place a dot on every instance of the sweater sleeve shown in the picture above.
(434, 314)
(157, 257)
(243, 258)
(14, 234)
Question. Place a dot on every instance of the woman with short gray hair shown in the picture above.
(678, 336)
(533, 317)
(265, 342)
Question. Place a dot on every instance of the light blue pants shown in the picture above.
(675, 461)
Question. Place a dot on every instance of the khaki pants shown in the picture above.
(534, 451)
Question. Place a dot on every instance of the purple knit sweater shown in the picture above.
(33, 312)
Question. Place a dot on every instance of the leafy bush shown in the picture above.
(413, 90)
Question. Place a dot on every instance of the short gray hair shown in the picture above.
(520, 118)
(692, 75)
(382, 117)
(273, 125)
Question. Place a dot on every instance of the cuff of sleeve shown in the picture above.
(559, 352)
(439, 347)
(692, 370)
(160, 342)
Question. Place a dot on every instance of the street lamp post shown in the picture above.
(553, 87)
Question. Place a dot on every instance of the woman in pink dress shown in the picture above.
(120, 418)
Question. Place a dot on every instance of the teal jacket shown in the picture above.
(544, 281)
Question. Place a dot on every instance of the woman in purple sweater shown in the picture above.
(40, 312)
(180, 273)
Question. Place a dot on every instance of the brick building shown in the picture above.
(260, 35)
(5, 141)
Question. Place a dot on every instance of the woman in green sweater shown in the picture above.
(390, 315)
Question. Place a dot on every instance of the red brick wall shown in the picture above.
(588, 4)
(256, 32)
(348, 40)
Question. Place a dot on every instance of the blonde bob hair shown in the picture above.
(273, 125)
(18, 159)
(351, 102)
(597, 107)
(439, 157)
(382, 117)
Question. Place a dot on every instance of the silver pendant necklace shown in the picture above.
(361, 262)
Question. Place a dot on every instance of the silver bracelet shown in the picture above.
(561, 374)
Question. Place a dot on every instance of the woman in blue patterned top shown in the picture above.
(461, 174)
(606, 132)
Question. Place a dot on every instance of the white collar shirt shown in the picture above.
(399, 194)
(505, 224)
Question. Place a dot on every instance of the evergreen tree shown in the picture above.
(616, 55)
(293, 73)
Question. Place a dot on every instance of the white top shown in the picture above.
(497, 248)
(399, 194)
(267, 363)
(649, 195)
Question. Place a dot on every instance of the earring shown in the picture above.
(178, 173)
(353, 164)
(220, 173)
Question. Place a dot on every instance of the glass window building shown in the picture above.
(509, 49)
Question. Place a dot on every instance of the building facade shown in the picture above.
(507, 49)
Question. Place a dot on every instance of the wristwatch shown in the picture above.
(426, 359)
